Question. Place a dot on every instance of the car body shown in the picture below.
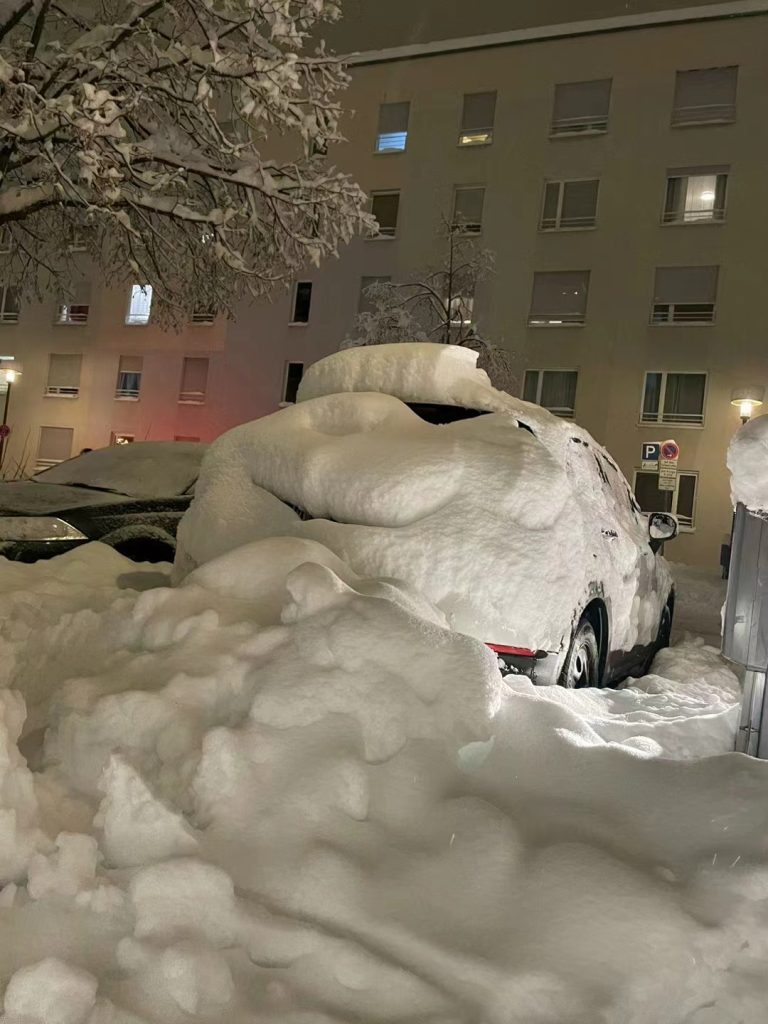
(407, 465)
(130, 497)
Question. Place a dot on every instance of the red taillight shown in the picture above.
(520, 652)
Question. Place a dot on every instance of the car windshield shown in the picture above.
(146, 469)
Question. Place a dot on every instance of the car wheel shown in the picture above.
(145, 549)
(582, 663)
(665, 630)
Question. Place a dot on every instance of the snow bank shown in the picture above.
(506, 532)
(748, 463)
(322, 806)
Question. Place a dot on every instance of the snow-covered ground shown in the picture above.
(270, 795)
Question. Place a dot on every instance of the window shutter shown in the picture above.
(131, 364)
(579, 203)
(576, 100)
(393, 118)
(479, 111)
(677, 285)
(560, 293)
(706, 94)
(55, 444)
(558, 390)
(468, 207)
(684, 396)
(64, 373)
(194, 379)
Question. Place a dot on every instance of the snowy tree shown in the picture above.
(437, 304)
(182, 142)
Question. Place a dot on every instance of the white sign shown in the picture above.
(670, 453)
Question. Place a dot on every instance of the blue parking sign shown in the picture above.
(650, 455)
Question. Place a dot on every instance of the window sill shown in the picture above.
(714, 222)
(474, 145)
(285, 405)
(126, 398)
(129, 323)
(190, 401)
(672, 426)
(687, 529)
(381, 238)
(687, 323)
(703, 124)
(51, 394)
(579, 134)
(70, 323)
(298, 323)
(555, 327)
(561, 231)
(389, 152)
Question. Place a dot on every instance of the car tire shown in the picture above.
(582, 663)
(145, 549)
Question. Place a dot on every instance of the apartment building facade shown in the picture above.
(616, 169)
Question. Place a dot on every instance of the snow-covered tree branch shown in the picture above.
(437, 304)
(183, 142)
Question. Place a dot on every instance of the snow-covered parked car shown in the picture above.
(129, 496)
(407, 464)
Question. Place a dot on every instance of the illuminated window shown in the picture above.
(392, 135)
(696, 196)
(477, 119)
(140, 305)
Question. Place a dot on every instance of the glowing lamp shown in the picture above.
(747, 399)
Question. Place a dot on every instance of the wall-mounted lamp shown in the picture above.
(747, 399)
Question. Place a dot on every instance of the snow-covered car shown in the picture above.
(408, 465)
(129, 496)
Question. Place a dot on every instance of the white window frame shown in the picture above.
(388, 234)
(148, 293)
(540, 388)
(284, 389)
(684, 527)
(562, 182)
(6, 316)
(293, 322)
(660, 421)
(128, 394)
(65, 316)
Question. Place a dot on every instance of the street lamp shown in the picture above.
(747, 399)
(9, 375)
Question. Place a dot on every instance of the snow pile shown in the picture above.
(506, 531)
(306, 802)
(748, 463)
(699, 599)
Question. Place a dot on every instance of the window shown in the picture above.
(461, 308)
(468, 204)
(674, 398)
(581, 108)
(553, 389)
(559, 298)
(477, 119)
(291, 380)
(9, 305)
(365, 305)
(203, 317)
(55, 446)
(392, 135)
(121, 438)
(681, 502)
(63, 376)
(695, 196)
(75, 311)
(140, 305)
(569, 205)
(384, 207)
(705, 96)
(129, 378)
(194, 381)
(302, 301)
(684, 295)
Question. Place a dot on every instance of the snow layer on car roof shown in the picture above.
(498, 531)
(145, 469)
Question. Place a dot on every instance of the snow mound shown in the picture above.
(748, 463)
(505, 531)
(344, 813)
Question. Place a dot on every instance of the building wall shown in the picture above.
(615, 347)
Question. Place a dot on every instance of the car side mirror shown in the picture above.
(662, 526)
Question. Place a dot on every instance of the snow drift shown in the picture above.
(507, 531)
(306, 800)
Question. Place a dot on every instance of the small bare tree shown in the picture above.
(181, 141)
(437, 305)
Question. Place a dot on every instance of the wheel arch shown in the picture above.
(596, 612)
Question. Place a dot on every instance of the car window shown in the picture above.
(145, 469)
